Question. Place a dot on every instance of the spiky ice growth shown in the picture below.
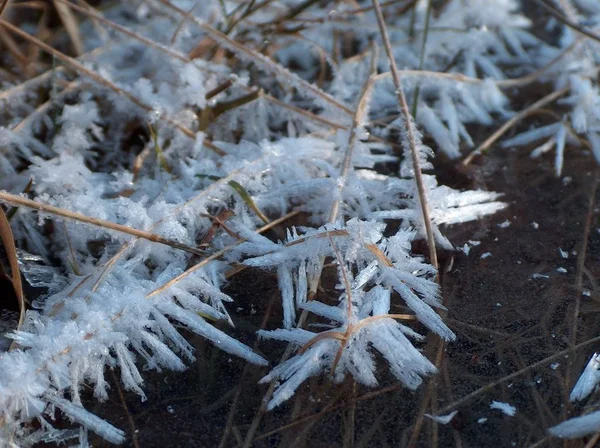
(362, 317)
(117, 302)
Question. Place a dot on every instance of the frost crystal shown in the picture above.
(201, 150)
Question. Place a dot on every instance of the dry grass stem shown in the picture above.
(71, 26)
(263, 61)
(516, 119)
(504, 379)
(67, 214)
(408, 123)
(8, 241)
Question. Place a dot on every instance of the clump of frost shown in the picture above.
(138, 158)
(505, 408)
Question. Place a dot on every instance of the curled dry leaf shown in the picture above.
(8, 242)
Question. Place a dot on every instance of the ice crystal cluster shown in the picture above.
(176, 114)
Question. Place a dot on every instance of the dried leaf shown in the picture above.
(11, 252)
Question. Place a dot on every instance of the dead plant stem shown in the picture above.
(74, 216)
(409, 126)
(516, 119)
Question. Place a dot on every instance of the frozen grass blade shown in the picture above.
(248, 200)
(410, 131)
(96, 424)
(67, 214)
(8, 242)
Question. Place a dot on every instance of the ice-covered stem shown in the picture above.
(410, 133)
(67, 214)
(415, 104)
(358, 120)
(357, 123)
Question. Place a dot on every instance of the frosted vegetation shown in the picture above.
(246, 127)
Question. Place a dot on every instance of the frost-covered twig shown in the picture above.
(67, 214)
(409, 142)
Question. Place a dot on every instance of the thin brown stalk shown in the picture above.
(561, 18)
(123, 30)
(262, 410)
(73, 260)
(328, 409)
(71, 26)
(353, 12)
(8, 241)
(593, 441)
(517, 118)
(294, 12)
(184, 58)
(67, 214)
(73, 63)
(183, 19)
(304, 113)
(429, 397)
(350, 419)
(415, 104)
(535, 75)
(502, 83)
(13, 48)
(238, 391)
(357, 121)
(134, 438)
(410, 135)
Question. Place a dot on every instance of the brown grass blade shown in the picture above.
(71, 26)
(185, 58)
(3, 6)
(67, 214)
(11, 252)
(515, 119)
(410, 134)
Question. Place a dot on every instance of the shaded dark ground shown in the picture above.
(505, 320)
